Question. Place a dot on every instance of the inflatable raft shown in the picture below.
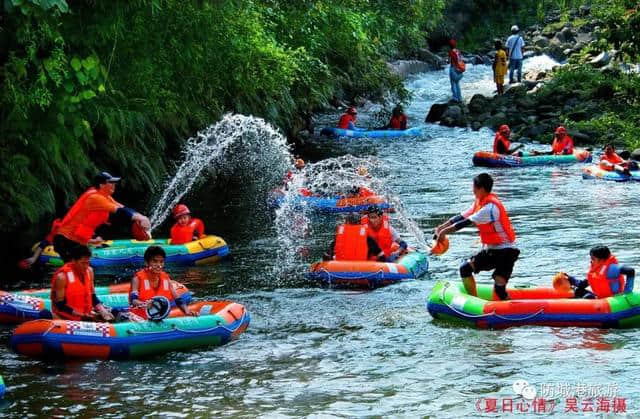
(595, 172)
(209, 249)
(531, 306)
(489, 159)
(18, 308)
(218, 323)
(333, 205)
(383, 133)
(368, 274)
(122, 288)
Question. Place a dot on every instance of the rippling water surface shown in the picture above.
(317, 352)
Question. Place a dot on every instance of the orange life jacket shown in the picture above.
(559, 147)
(77, 293)
(602, 286)
(75, 208)
(399, 122)
(365, 192)
(344, 121)
(382, 236)
(146, 291)
(613, 159)
(181, 234)
(499, 138)
(489, 234)
(351, 242)
(81, 230)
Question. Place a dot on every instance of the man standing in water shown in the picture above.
(498, 237)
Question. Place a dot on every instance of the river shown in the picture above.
(318, 352)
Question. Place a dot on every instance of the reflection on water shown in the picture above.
(310, 351)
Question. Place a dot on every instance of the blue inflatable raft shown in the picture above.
(595, 172)
(385, 133)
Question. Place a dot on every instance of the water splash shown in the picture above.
(340, 176)
(236, 143)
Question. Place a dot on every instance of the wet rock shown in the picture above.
(601, 60)
(434, 60)
(584, 10)
(478, 104)
(565, 36)
(540, 41)
(435, 112)
(454, 117)
(405, 68)
(525, 102)
(495, 121)
(635, 154)
(476, 125)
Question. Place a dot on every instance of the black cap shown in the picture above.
(104, 177)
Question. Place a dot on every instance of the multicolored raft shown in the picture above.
(363, 133)
(489, 159)
(543, 306)
(595, 172)
(209, 249)
(218, 323)
(36, 304)
(368, 274)
(333, 205)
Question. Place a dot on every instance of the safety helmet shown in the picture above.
(352, 111)
(441, 246)
(180, 209)
(299, 163)
(504, 130)
(561, 130)
(158, 308)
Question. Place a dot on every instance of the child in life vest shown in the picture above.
(153, 281)
(186, 229)
(606, 277)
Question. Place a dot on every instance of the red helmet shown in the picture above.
(180, 209)
(504, 130)
(352, 111)
(453, 43)
(561, 130)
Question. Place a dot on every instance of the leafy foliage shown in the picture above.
(114, 84)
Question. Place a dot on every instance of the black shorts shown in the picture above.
(63, 246)
(501, 260)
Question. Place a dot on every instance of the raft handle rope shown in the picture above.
(176, 328)
(374, 275)
(480, 316)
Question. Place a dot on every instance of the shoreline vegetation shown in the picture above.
(119, 85)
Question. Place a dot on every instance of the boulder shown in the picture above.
(435, 61)
(495, 121)
(478, 104)
(476, 125)
(601, 59)
(436, 112)
(454, 117)
(584, 10)
(405, 68)
(525, 102)
(635, 154)
(540, 41)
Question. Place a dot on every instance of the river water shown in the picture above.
(318, 352)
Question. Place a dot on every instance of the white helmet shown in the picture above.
(515, 28)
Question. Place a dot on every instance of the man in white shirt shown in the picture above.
(515, 43)
(499, 252)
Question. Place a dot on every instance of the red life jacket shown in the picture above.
(600, 284)
(500, 139)
(399, 122)
(351, 242)
(559, 147)
(344, 121)
(77, 293)
(181, 234)
(490, 234)
(382, 236)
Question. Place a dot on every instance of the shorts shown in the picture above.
(64, 247)
(501, 260)
(498, 78)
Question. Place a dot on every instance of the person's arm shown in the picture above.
(630, 274)
(134, 293)
(374, 250)
(328, 255)
(351, 125)
(403, 123)
(180, 302)
(28, 262)
(97, 304)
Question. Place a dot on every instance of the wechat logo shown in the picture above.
(523, 388)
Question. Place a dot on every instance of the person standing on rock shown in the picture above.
(515, 43)
(500, 67)
(456, 70)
